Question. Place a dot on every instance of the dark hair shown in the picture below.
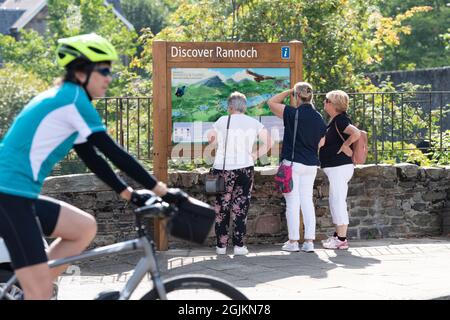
(77, 65)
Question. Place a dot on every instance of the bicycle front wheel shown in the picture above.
(196, 287)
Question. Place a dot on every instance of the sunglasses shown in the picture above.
(104, 71)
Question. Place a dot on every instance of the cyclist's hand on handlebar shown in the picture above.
(160, 189)
(140, 197)
(175, 196)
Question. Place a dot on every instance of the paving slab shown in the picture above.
(380, 269)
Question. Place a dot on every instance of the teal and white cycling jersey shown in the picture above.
(42, 134)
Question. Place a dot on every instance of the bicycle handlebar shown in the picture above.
(155, 207)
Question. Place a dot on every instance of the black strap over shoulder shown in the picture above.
(295, 136)
(226, 140)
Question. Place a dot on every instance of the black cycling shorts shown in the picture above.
(23, 223)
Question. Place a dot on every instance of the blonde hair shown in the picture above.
(339, 99)
(304, 90)
(237, 101)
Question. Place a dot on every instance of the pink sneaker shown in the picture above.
(335, 243)
(329, 239)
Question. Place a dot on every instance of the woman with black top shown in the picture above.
(310, 129)
(336, 161)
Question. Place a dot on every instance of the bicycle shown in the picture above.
(202, 285)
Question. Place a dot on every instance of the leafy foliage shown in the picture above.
(17, 87)
(86, 16)
(146, 14)
(425, 38)
(31, 44)
(400, 121)
(341, 38)
(440, 144)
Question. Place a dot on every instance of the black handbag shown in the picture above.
(215, 183)
(193, 221)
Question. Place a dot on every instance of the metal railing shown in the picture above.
(129, 121)
(398, 123)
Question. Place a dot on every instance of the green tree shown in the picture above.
(95, 17)
(31, 44)
(38, 73)
(423, 45)
(60, 13)
(146, 14)
(341, 37)
(86, 16)
(446, 38)
(17, 87)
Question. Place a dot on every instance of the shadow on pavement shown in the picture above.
(262, 265)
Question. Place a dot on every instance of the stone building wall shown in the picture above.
(403, 200)
(438, 78)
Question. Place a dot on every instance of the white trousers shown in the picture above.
(301, 197)
(339, 178)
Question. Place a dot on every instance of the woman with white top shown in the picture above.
(310, 129)
(239, 159)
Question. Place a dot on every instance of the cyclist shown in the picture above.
(42, 134)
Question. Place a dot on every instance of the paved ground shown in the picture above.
(371, 269)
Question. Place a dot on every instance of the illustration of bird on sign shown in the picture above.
(259, 77)
(180, 91)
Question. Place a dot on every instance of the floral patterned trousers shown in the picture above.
(234, 202)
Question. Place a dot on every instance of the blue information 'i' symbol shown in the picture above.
(285, 52)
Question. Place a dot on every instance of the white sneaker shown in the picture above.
(308, 247)
(221, 250)
(240, 251)
(290, 246)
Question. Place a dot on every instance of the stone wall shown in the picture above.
(384, 201)
(438, 78)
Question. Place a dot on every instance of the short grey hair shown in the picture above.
(237, 101)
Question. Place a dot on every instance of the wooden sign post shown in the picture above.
(175, 60)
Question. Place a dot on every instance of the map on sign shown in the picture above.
(199, 98)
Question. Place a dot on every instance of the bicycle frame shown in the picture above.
(147, 264)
